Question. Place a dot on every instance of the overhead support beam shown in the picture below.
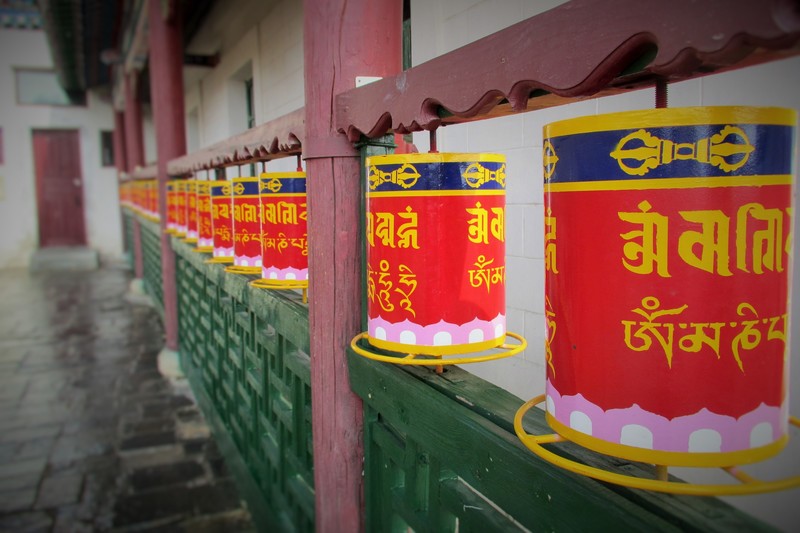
(280, 137)
(136, 42)
(536, 64)
(195, 60)
(63, 25)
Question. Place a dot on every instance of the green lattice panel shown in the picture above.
(441, 455)
(151, 258)
(246, 353)
(127, 221)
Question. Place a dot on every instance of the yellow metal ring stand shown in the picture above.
(750, 485)
(220, 260)
(264, 283)
(437, 360)
(236, 269)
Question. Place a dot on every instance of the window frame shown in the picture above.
(71, 98)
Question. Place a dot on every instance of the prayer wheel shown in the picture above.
(181, 200)
(667, 272)
(436, 252)
(172, 214)
(221, 221)
(246, 226)
(205, 232)
(191, 211)
(154, 200)
(284, 232)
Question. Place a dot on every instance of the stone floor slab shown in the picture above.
(88, 428)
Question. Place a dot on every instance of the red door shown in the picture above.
(59, 188)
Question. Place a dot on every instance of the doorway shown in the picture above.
(59, 188)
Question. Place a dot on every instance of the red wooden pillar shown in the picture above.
(120, 157)
(166, 81)
(121, 162)
(134, 155)
(342, 39)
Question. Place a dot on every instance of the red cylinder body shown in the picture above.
(667, 260)
(222, 219)
(284, 232)
(436, 252)
(205, 232)
(172, 215)
(191, 211)
(246, 224)
(181, 201)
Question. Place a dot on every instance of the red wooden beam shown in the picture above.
(342, 39)
(279, 137)
(582, 48)
(166, 86)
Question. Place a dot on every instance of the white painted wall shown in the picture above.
(268, 43)
(442, 26)
(270, 40)
(18, 218)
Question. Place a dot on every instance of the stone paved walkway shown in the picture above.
(92, 437)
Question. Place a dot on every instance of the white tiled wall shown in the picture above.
(438, 27)
(18, 208)
(273, 43)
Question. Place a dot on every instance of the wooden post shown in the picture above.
(134, 155)
(342, 39)
(120, 157)
(166, 84)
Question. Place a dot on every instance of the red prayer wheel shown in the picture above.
(436, 252)
(222, 221)
(126, 194)
(667, 259)
(284, 232)
(205, 232)
(246, 226)
(181, 200)
(191, 211)
(152, 199)
(172, 215)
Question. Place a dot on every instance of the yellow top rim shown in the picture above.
(281, 175)
(678, 116)
(451, 157)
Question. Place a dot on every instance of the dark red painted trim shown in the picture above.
(582, 48)
(277, 138)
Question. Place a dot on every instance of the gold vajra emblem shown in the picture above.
(476, 175)
(406, 176)
(238, 188)
(273, 185)
(640, 152)
(549, 159)
(226, 190)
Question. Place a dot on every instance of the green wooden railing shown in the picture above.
(151, 259)
(127, 234)
(440, 453)
(245, 352)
